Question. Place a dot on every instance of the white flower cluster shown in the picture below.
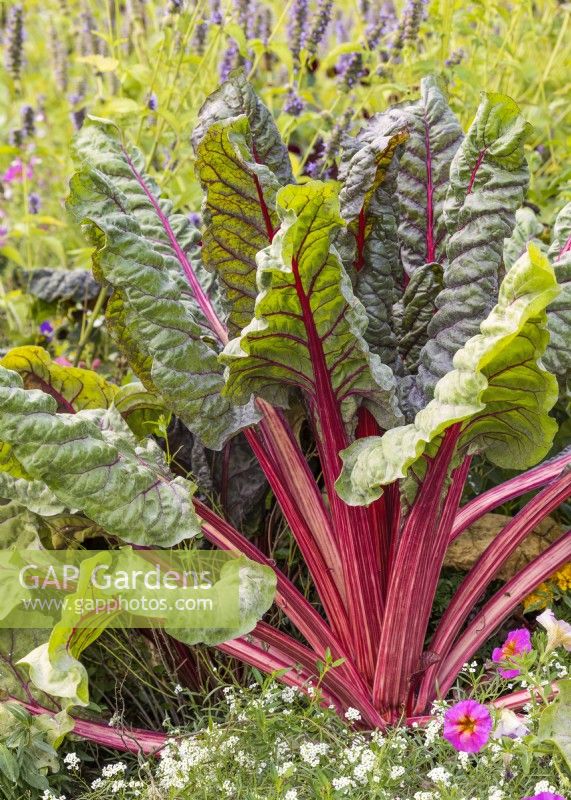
(311, 752)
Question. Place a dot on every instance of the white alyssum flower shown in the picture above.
(311, 752)
(439, 775)
(178, 689)
(72, 761)
(396, 772)
(286, 768)
(464, 760)
(544, 786)
(353, 714)
(110, 770)
(228, 787)
(495, 793)
(291, 794)
(288, 694)
(342, 784)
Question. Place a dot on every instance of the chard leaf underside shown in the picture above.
(497, 388)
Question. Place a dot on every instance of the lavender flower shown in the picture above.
(455, 58)
(195, 218)
(14, 43)
(215, 13)
(264, 24)
(16, 138)
(59, 58)
(90, 44)
(298, 28)
(293, 104)
(200, 35)
(78, 117)
(28, 117)
(152, 102)
(340, 128)
(229, 61)
(34, 203)
(243, 11)
(413, 16)
(353, 71)
(320, 24)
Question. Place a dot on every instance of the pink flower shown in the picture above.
(517, 642)
(15, 171)
(544, 796)
(467, 726)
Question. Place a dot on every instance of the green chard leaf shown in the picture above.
(527, 229)
(241, 163)
(73, 388)
(434, 136)
(91, 461)
(369, 244)
(412, 314)
(308, 322)
(557, 359)
(488, 180)
(150, 257)
(497, 388)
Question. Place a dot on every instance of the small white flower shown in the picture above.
(353, 714)
(342, 783)
(439, 775)
(396, 772)
(72, 761)
(291, 794)
(544, 786)
(178, 689)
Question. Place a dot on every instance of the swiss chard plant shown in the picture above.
(405, 309)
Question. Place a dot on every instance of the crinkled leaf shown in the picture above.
(488, 180)
(239, 213)
(17, 485)
(498, 389)
(234, 98)
(256, 590)
(57, 285)
(91, 461)
(241, 162)
(19, 530)
(151, 256)
(369, 246)
(412, 314)
(527, 229)
(558, 356)
(308, 330)
(72, 388)
(434, 135)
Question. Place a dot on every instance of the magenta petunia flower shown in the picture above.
(467, 726)
(516, 643)
(544, 796)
